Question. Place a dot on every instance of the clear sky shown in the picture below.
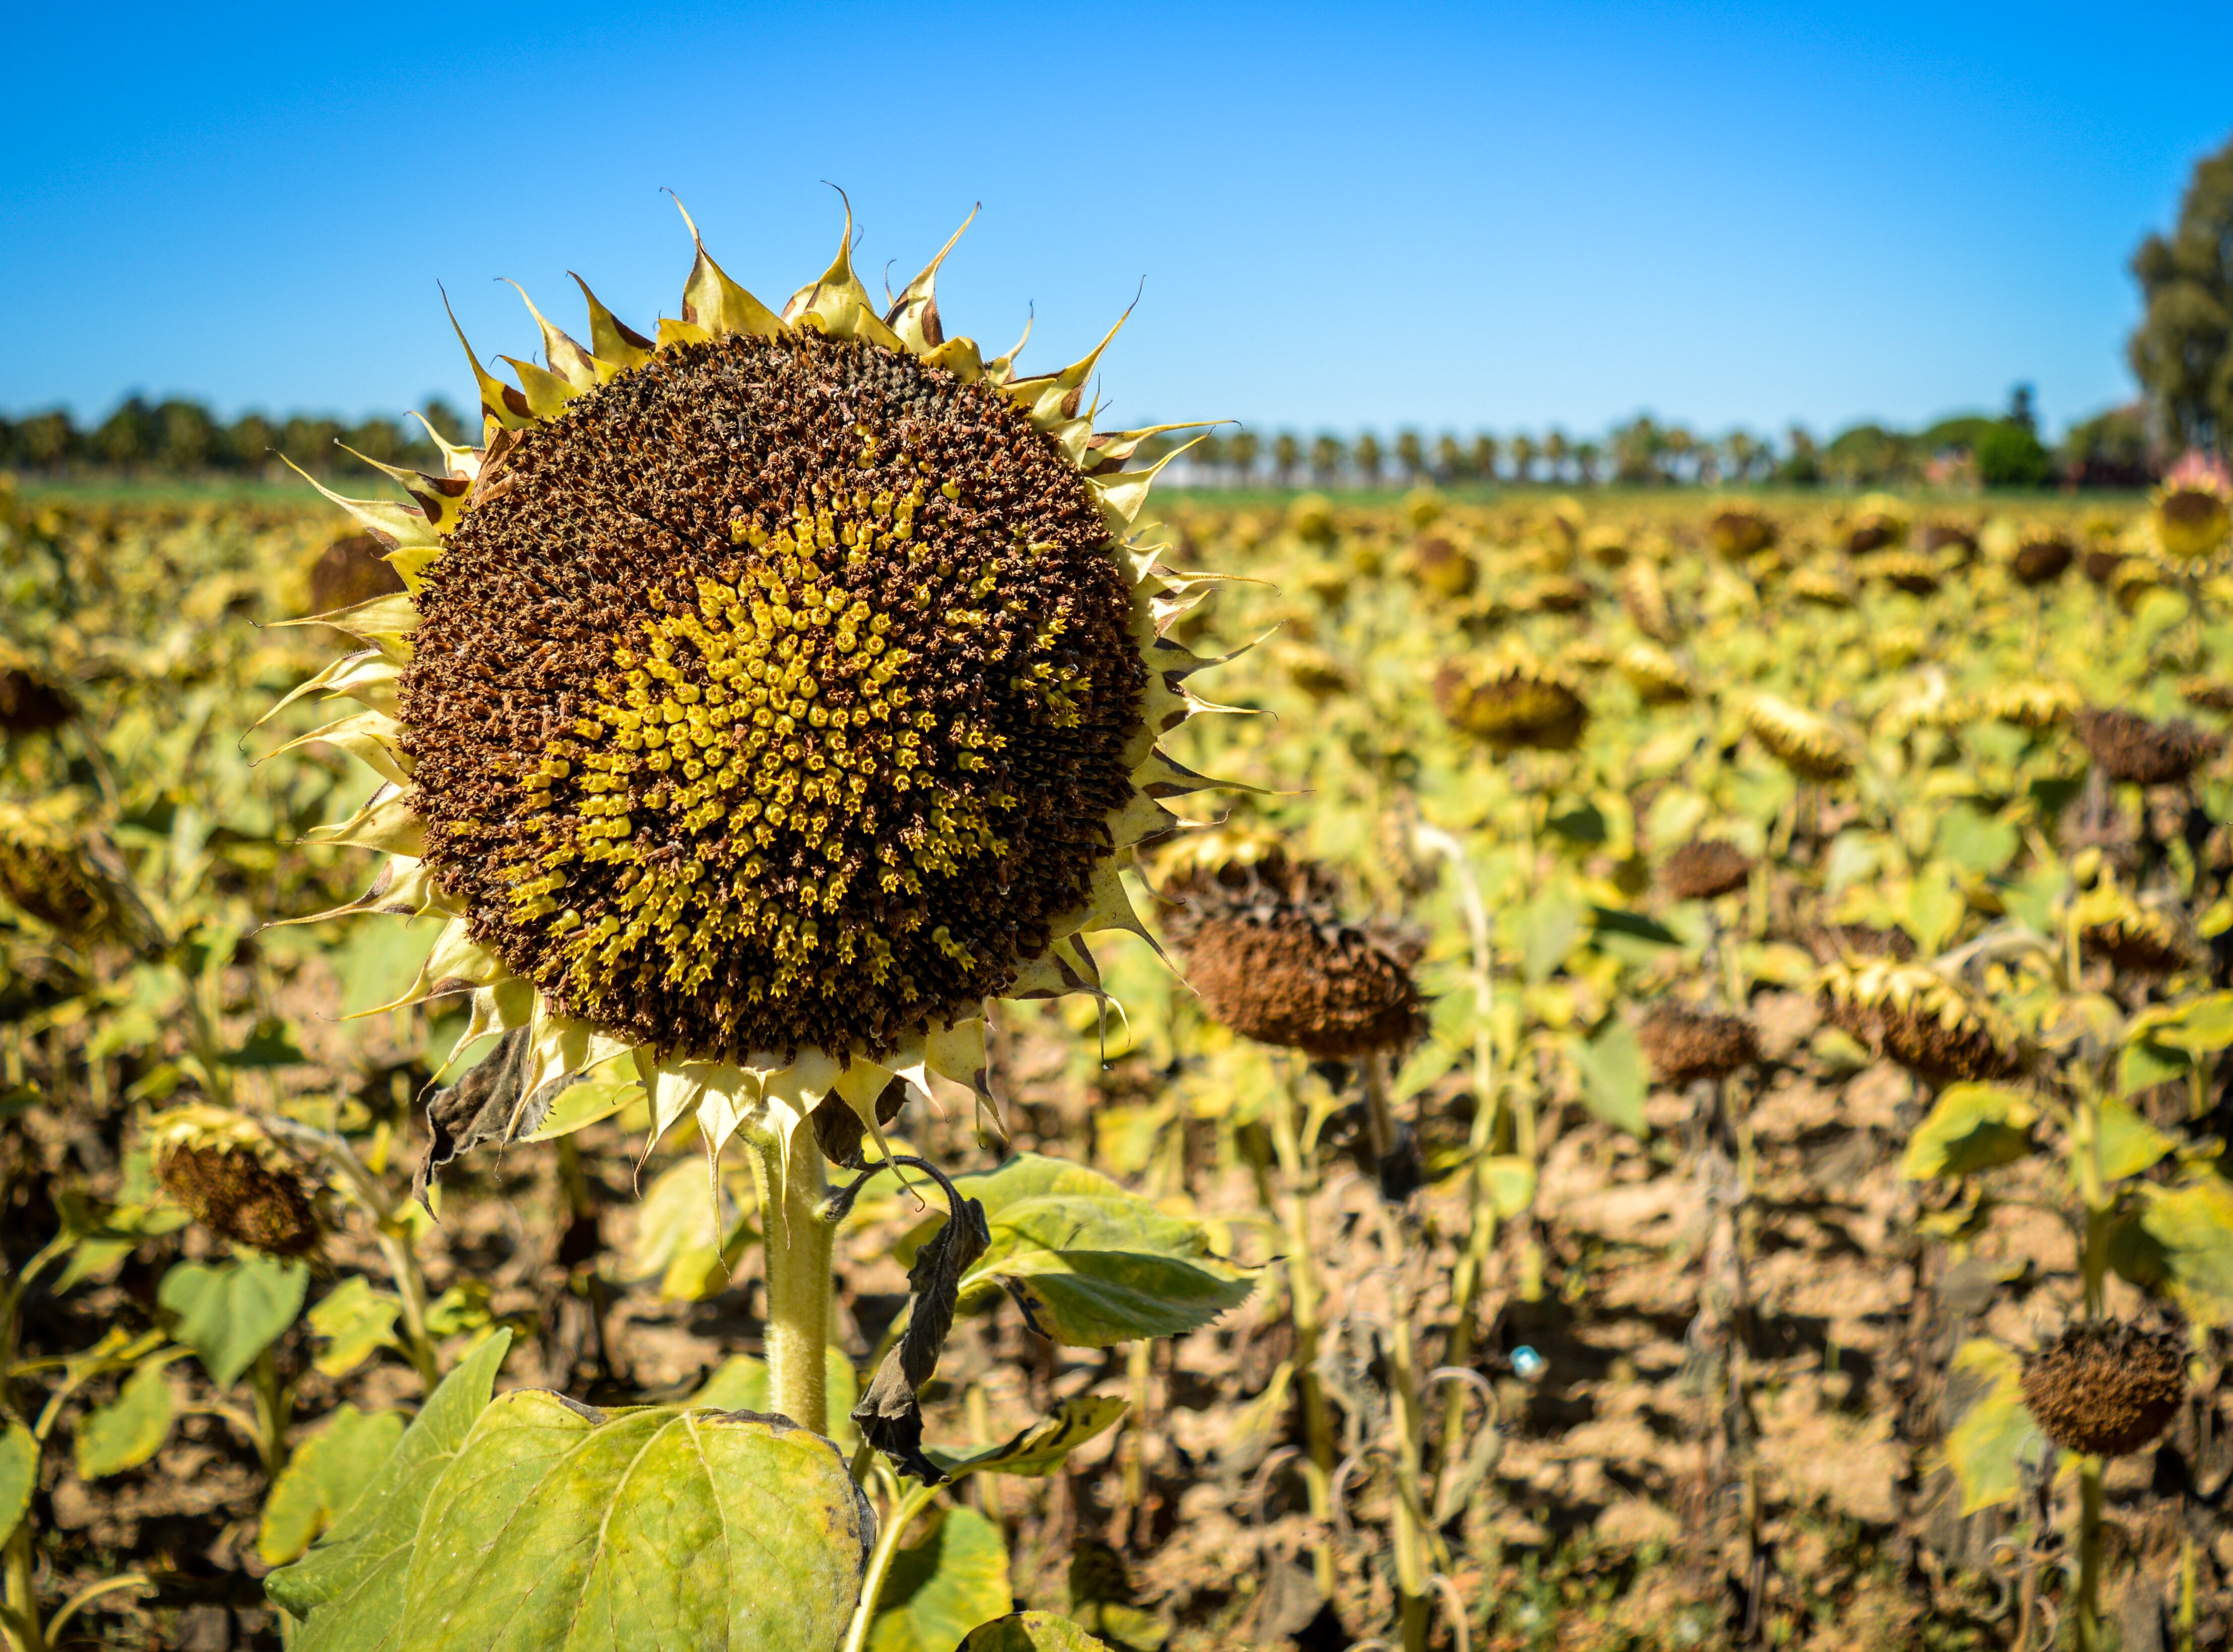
(1470, 216)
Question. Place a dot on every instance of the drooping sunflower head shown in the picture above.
(233, 1179)
(1439, 564)
(1658, 676)
(1915, 1016)
(1511, 699)
(2138, 751)
(2192, 511)
(1907, 570)
(2104, 1388)
(1643, 596)
(2042, 553)
(59, 864)
(1811, 746)
(1267, 948)
(1875, 521)
(2211, 693)
(2033, 705)
(1705, 869)
(767, 697)
(2135, 940)
(1823, 587)
(31, 699)
(1738, 529)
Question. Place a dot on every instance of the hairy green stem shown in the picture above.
(797, 1246)
(894, 1530)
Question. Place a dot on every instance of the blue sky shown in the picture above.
(1465, 217)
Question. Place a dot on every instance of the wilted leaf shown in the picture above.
(1615, 1076)
(891, 1413)
(229, 1315)
(131, 1428)
(557, 1525)
(350, 1585)
(1971, 1128)
(2194, 1225)
(19, 1476)
(324, 1478)
(1040, 1448)
(355, 1320)
(1983, 1448)
(950, 1579)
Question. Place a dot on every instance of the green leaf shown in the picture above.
(2144, 1064)
(2194, 1225)
(1935, 908)
(1978, 841)
(1545, 929)
(2198, 1025)
(355, 1320)
(270, 1045)
(557, 1525)
(1090, 1264)
(2129, 1144)
(1615, 1077)
(229, 1315)
(1040, 1448)
(324, 1478)
(1511, 1183)
(1983, 1448)
(1634, 925)
(1029, 1632)
(350, 1585)
(677, 1236)
(131, 1428)
(941, 1586)
(19, 1476)
(743, 1384)
(1971, 1128)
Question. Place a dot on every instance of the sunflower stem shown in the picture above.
(1303, 1294)
(797, 1242)
(2089, 1554)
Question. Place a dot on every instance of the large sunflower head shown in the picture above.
(767, 695)
(2193, 510)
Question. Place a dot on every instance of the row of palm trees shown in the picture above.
(1641, 452)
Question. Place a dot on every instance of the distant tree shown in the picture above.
(1555, 453)
(1522, 449)
(1802, 464)
(1588, 455)
(2110, 450)
(1740, 453)
(2009, 456)
(449, 424)
(1240, 450)
(1450, 458)
(1410, 454)
(1483, 456)
(248, 442)
(2182, 351)
(381, 439)
(1287, 454)
(2022, 413)
(127, 438)
(1678, 450)
(1327, 451)
(1369, 458)
(1870, 456)
(48, 441)
(1636, 449)
(1207, 454)
(310, 442)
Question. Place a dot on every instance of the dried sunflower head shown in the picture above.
(1440, 564)
(59, 864)
(1919, 1018)
(2211, 693)
(1606, 544)
(767, 697)
(2100, 563)
(1823, 587)
(2133, 578)
(2033, 705)
(31, 701)
(2132, 749)
(1738, 530)
(1876, 520)
(233, 1179)
(2041, 556)
(1685, 1044)
(1645, 600)
(1703, 868)
(1812, 747)
(1907, 570)
(1314, 671)
(1556, 593)
(1944, 538)
(1658, 676)
(2192, 511)
(1830, 942)
(2104, 1388)
(1266, 946)
(1512, 699)
(2134, 939)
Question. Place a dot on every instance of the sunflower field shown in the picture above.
(1672, 1098)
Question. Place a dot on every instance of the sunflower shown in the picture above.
(1513, 699)
(2192, 511)
(1705, 869)
(1876, 520)
(1738, 530)
(1823, 587)
(59, 864)
(1811, 747)
(2033, 705)
(2042, 554)
(2136, 940)
(1908, 570)
(2135, 750)
(1644, 597)
(766, 696)
(1685, 1044)
(31, 701)
(1921, 1020)
(1658, 676)
(233, 1178)
(1440, 565)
